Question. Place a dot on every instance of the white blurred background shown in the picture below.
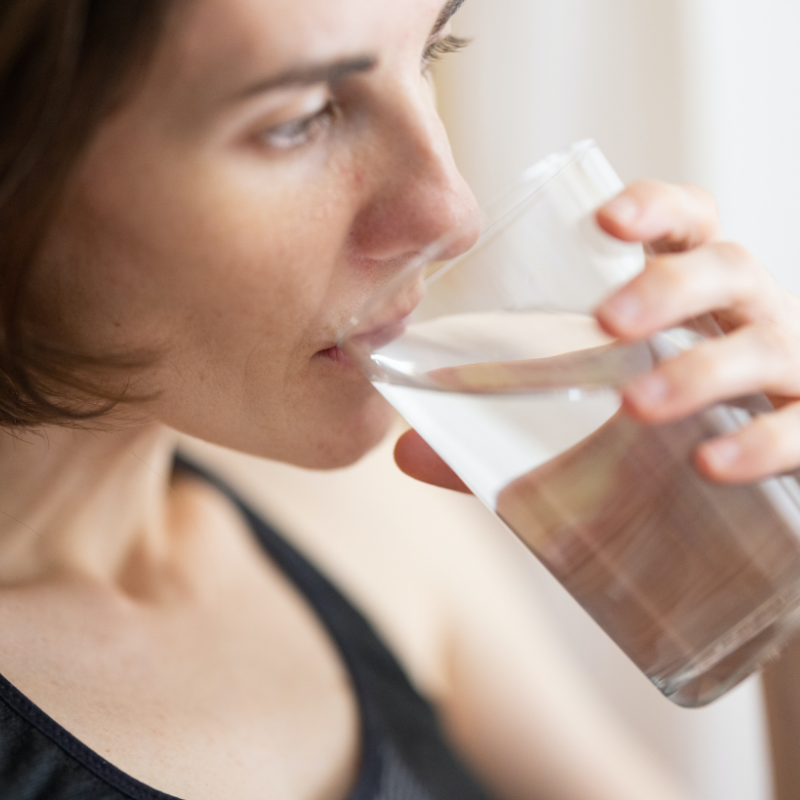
(700, 91)
(704, 91)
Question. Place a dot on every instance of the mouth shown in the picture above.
(365, 343)
(380, 335)
(379, 328)
(336, 355)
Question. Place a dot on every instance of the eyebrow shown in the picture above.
(445, 15)
(310, 74)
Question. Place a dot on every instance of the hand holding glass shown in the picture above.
(495, 358)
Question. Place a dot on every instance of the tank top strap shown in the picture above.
(405, 755)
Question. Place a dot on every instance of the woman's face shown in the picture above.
(283, 159)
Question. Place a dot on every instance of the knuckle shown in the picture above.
(651, 194)
(738, 260)
(792, 414)
(775, 344)
(771, 442)
(704, 364)
(671, 274)
(647, 187)
(697, 373)
(773, 435)
(750, 279)
(734, 255)
(779, 352)
(705, 202)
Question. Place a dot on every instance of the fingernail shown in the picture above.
(623, 308)
(648, 391)
(623, 208)
(722, 453)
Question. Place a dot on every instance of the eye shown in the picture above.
(301, 131)
(441, 47)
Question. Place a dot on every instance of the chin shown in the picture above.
(327, 430)
(340, 445)
(331, 433)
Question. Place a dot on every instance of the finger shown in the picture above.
(767, 446)
(721, 276)
(756, 358)
(667, 216)
(415, 457)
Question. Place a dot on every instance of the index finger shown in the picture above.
(417, 459)
(668, 217)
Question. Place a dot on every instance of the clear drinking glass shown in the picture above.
(496, 360)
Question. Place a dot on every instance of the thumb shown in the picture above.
(415, 457)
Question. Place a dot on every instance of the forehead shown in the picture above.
(234, 36)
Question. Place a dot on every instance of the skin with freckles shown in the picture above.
(218, 195)
(280, 163)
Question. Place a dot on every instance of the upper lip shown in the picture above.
(378, 326)
(384, 327)
(384, 331)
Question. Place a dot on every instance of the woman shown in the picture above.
(195, 196)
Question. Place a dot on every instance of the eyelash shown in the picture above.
(442, 47)
(298, 132)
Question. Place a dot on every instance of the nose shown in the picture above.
(416, 193)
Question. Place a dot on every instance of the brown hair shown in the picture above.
(64, 65)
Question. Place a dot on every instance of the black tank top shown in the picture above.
(404, 755)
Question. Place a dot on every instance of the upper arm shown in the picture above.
(517, 707)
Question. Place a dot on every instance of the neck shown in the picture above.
(83, 502)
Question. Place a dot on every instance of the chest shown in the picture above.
(242, 697)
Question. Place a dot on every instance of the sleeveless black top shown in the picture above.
(404, 754)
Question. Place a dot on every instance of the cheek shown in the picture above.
(269, 260)
(236, 280)
(190, 261)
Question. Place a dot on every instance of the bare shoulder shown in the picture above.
(411, 556)
(451, 592)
